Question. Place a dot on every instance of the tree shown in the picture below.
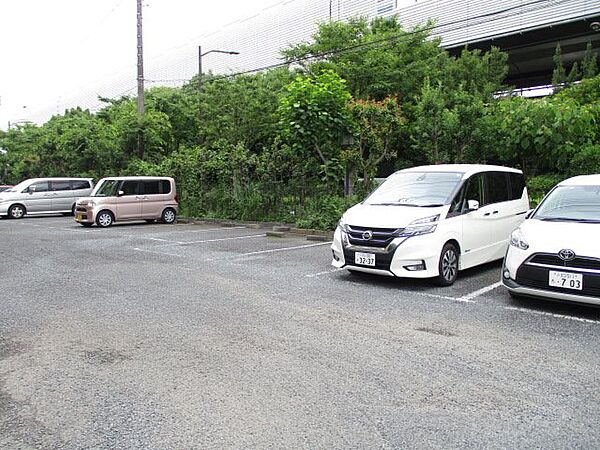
(314, 115)
(376, 123)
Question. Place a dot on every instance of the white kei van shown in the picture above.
(43, 196)
(432, 221)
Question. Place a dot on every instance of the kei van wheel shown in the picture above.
(448, 265)
(168, 216)
(17, 212)
(104, 219)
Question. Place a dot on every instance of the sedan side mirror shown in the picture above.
(120, 193)
(472, 205)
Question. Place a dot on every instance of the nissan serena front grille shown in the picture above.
(370, 237)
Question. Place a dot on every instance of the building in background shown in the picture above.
(527, 29)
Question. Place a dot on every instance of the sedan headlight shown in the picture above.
(418, 227)
(518, 240)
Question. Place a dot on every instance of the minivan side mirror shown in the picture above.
(120, 193)
(31, 189)
(472, 205)
(529, 213)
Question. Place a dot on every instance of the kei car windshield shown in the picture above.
(107, 188)
(571, 204)
(416, 189)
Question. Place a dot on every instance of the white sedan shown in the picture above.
(555, 253)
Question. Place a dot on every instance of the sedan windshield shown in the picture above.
(107, 188)
(571, 203)
(416, 189)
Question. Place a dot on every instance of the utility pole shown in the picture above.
(140, 61)
(140, 81)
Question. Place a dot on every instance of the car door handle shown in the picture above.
(486, 214)
(495, 212)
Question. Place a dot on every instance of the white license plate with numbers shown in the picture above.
(566, 280)
(364, 259)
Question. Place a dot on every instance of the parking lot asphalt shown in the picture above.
(200, 336)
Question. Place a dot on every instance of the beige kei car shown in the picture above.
(118, 199)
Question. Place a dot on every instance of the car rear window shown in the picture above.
(151, 187)
(165, 186)
(80, 184)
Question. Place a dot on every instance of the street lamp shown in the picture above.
(200, 55)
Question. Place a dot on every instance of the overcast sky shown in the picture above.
(51, 49)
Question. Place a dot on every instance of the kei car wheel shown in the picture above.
(168, 216)
(16, 212)
(104, 219)
(448, 265)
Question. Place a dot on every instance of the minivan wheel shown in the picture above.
(448, 265)
(168, 215)
(104, 219)
(16, 212)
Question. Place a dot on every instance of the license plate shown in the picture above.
(364, 259)
(566, 280)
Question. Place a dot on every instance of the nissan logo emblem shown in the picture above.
(367, 235)
(566, 254)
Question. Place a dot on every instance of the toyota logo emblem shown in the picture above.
(367, 235)
(566, 254)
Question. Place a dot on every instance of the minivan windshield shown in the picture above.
(108, 188)
(416, 189)
(571, 204)
(19, 187)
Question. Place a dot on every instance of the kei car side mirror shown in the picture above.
(120, 193)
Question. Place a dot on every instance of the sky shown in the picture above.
(53, 49)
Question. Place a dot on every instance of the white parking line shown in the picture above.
(558, 316)
(206, 229)
(284, 249)
(446, 297)
(212, 240)
(157, 253)
(478, 292)
(313, 275)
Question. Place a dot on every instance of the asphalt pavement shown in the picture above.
(151, 336)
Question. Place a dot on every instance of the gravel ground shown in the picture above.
(187, 336)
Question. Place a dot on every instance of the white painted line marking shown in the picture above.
(157, 253)
(327, 272)
(145, 237)
(207, 229)
(274, 250)
(481, 291)
(213, 240)
(446, 297)
(558, 316)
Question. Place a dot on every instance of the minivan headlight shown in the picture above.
(518, 240)
(418, 227)
(342, 225)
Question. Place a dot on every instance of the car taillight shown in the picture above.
(176, 198)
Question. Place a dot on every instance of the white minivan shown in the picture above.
(432, 221)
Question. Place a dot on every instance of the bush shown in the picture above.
(586, 162)
(324, 212)
(539, 186)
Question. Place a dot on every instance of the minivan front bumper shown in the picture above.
(414, 257)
